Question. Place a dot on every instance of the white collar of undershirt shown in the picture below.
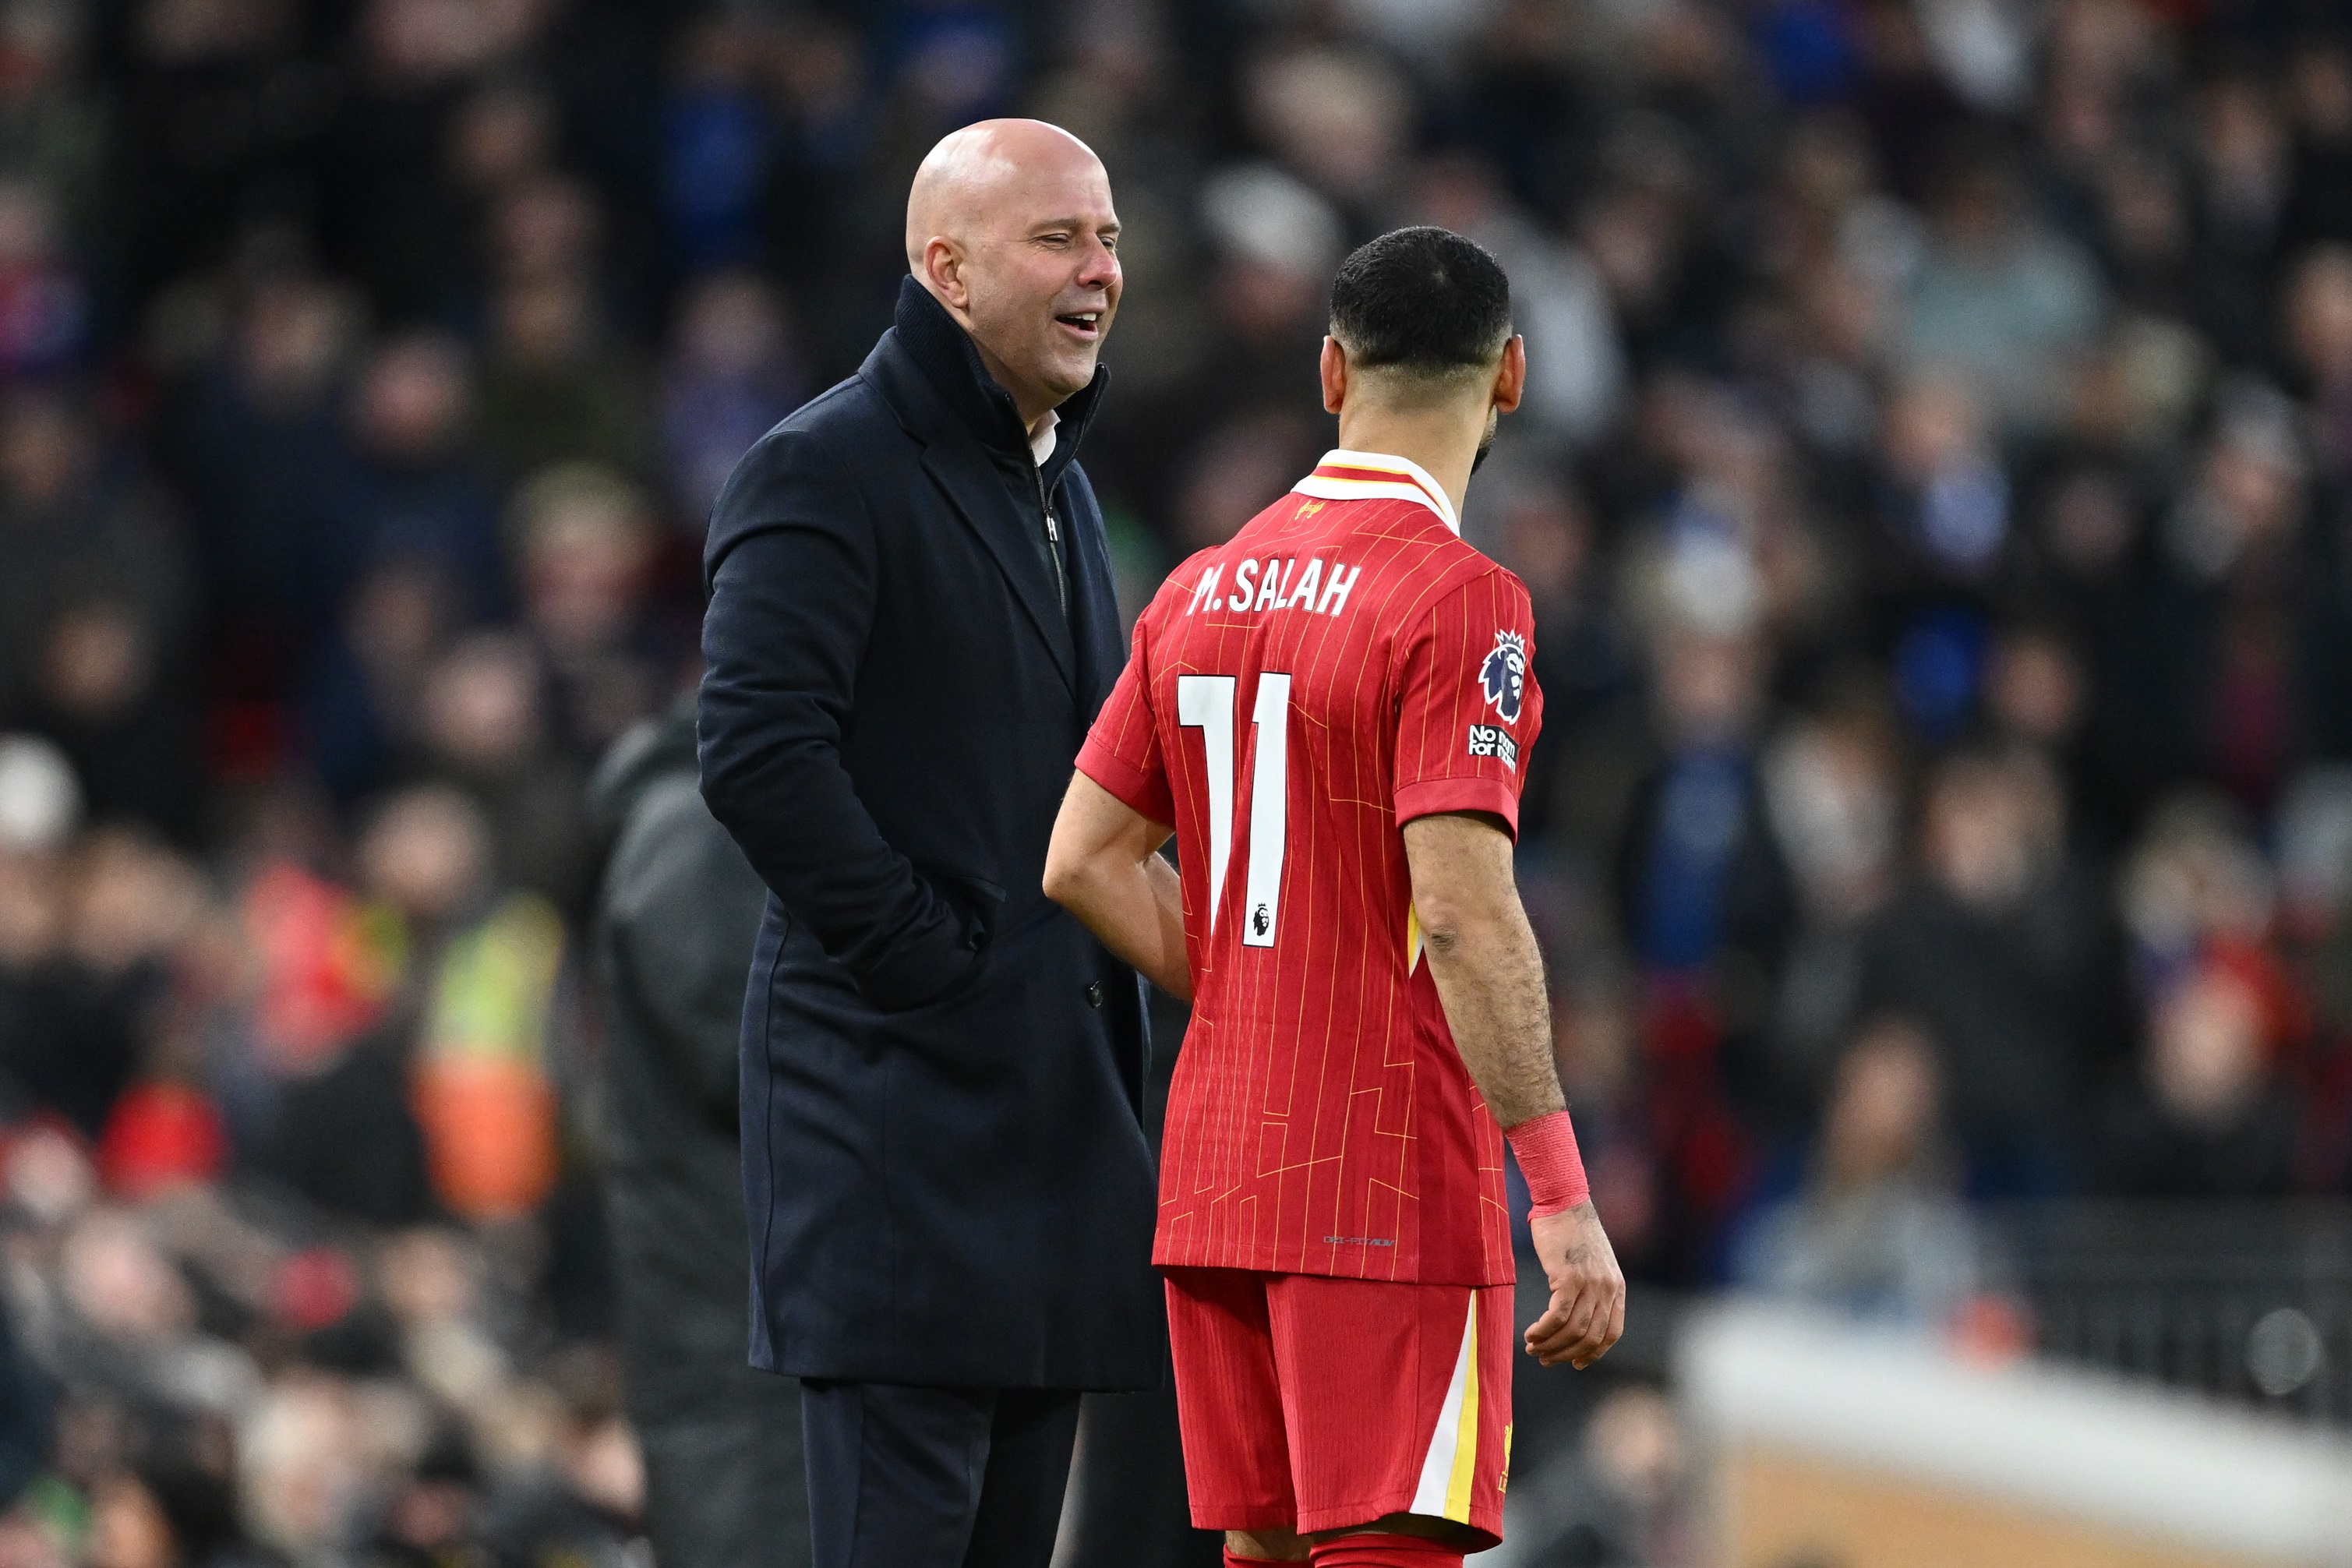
(1041, 445)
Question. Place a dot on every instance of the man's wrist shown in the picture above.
(1550, 1160)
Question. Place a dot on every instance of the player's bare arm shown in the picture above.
(1104, 865)
(1482, 955)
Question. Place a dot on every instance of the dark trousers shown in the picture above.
(726, 1487)
(935, 1477)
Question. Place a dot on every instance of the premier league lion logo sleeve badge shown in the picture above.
(1504, 676)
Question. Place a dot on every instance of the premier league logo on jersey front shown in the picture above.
(1504, 675)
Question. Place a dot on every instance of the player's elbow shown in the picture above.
(1061, 881)
(1452, 923)
(1440, 927)
(1068, 874)
(1078, 854)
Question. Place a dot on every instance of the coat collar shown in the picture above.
(975, 450)
(950, 363)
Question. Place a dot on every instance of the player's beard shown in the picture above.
(1486, 442)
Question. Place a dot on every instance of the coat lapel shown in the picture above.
(976, 489)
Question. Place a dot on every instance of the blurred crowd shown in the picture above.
(1935, 486)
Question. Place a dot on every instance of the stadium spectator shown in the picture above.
(1999, 953)
(1997, 294)
(1880, 1231)
(482, 724)
(2208, 1115)
(733, 374)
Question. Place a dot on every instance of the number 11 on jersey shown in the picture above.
(1205, 702)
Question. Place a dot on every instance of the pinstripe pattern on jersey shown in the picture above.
(1321, 1120)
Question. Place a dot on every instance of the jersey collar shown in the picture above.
(1343, 475)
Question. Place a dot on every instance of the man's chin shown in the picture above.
(1071, 377)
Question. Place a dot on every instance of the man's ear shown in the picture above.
(1335, 376)
(1511, 376)
(943, 272)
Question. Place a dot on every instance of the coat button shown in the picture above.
(1095, 994)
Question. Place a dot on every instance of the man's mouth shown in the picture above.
(1084, 324)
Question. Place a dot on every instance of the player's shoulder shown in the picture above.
(1180, 582)
(1465, 566)
(1446, 570)
(1163, 615)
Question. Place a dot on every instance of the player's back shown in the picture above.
(1344, 664)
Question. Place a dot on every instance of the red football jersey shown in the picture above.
(1346, 664)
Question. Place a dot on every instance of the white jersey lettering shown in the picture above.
(1335, 593)
(1244, 586)
(1302, 593)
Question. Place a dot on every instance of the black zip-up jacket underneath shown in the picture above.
(944, 1165)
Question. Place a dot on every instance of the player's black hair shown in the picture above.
(1422, 301)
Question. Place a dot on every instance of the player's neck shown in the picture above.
(1444, 441)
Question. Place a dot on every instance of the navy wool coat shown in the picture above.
(944, 1165)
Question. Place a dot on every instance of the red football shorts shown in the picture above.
(1315, 1404)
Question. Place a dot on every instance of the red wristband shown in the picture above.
(1548, 1160)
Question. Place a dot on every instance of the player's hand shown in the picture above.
(1588, 1291)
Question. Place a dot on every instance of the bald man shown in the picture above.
(911, 626)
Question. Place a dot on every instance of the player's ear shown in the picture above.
(1511, 376)
(1335, 376)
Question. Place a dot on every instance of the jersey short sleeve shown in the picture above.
(1467, 706)
(1122, 750)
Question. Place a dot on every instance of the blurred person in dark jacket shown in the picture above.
(254, 439)
(584, 543)
(73, 1016)
(2003, 952)
(2206, 1115)
(483, 725)
(553, 390)
(96, 601)
(414, 492)
(734, 369)
(114, 695)
(678, 916)
(76, 527)
(1706, 906)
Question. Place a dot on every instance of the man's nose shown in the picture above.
(1099, 269)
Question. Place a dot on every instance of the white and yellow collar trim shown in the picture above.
(1368, 475)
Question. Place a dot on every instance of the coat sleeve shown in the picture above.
(792, 570)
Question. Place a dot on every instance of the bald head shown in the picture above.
(1010, 226)
(974, 171)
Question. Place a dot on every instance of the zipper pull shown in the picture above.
(1053, 529)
